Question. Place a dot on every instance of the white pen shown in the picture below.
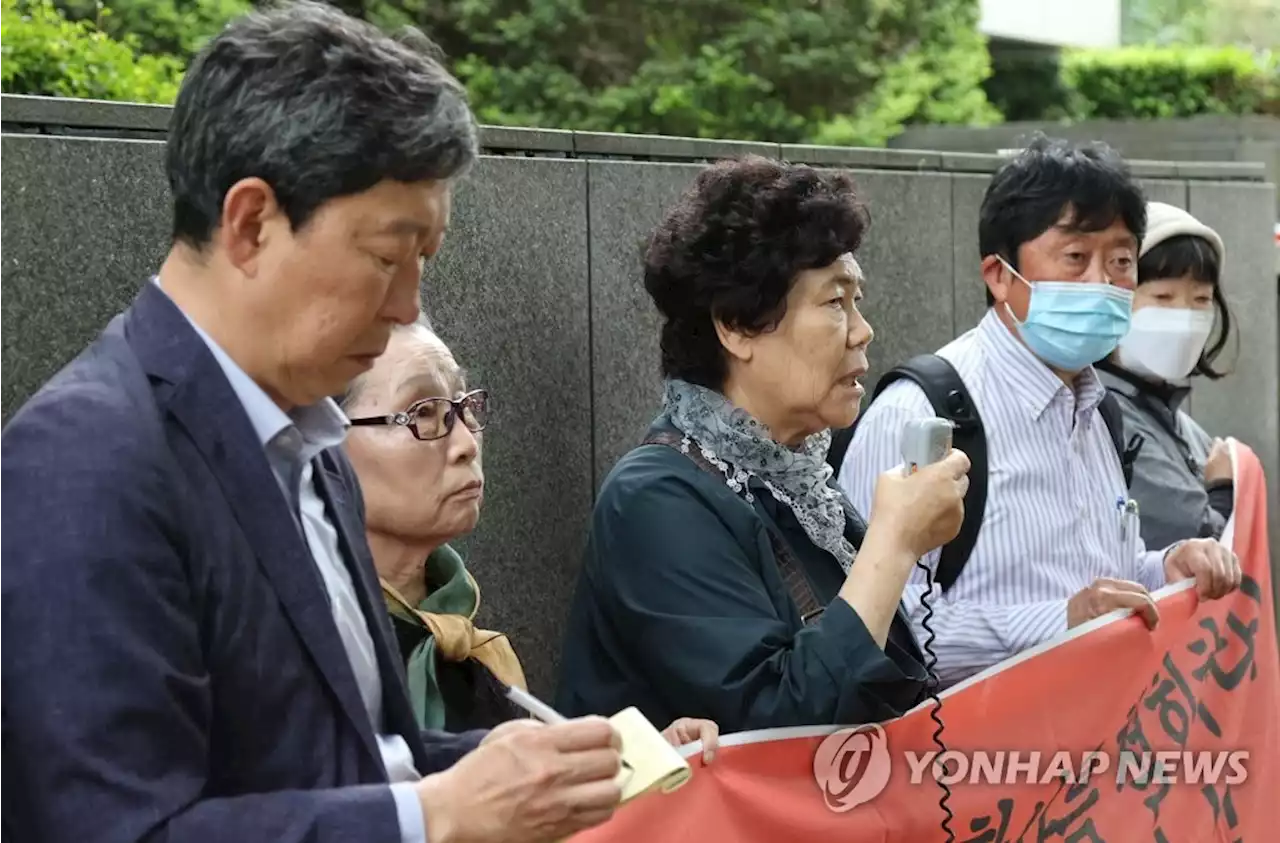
(541, 710)
(534, 706)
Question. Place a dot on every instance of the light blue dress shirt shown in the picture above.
(292, 441)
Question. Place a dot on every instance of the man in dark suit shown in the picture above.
(195, 649)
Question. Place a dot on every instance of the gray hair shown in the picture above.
(356, 386)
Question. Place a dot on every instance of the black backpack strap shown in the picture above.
(792, 576)
(840, 440)
(950, 399)
(1109, 409)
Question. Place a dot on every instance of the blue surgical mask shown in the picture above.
(1071, 325)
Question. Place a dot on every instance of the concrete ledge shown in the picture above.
(660, 146)
(88, 114)
(507, 138)
(971, 162)
(1222, 171)
(850, 156)
(80, 145)
(1153, 169)
(1226, 127)
(99, 118)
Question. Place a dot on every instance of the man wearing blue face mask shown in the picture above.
(1057, 541)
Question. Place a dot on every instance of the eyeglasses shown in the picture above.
(433, 418)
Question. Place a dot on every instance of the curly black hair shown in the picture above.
(730, 250)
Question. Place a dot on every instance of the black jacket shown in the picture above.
(1168, 476)
(681, 611)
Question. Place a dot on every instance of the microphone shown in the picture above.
(926, 441)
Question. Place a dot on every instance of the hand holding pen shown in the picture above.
(527, 781)
(541, 711)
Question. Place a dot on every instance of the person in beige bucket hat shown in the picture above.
(1182, 478)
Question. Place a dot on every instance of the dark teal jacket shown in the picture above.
(681, 611)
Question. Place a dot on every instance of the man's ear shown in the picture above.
(998, 278)
(737, 344)
(248, 210)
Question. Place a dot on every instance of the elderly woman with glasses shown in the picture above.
(415, 445)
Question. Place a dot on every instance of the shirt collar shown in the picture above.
(318, 426)
(1027, 377)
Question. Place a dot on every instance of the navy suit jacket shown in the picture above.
(171, 668)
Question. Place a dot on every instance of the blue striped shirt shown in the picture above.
(1051, 525)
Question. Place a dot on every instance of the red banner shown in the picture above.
(1112, 733)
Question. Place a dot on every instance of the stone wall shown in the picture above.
(1192, 141)
(538, 292)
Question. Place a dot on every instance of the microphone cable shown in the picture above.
(931, 683)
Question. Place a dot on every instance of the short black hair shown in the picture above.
(730, 250)
(1032, 191)
(1183, 256)
(317, 104)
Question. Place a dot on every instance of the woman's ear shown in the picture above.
(737, 344)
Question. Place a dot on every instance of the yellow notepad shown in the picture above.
(655, 764)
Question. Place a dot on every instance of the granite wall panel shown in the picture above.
(1167, 191)
(627, 201)
(970, 293)
(508, 293)
(1246, 403)
(538, 291)
(908, 258)
(85, 223)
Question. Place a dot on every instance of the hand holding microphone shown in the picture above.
(917, 506)
(923, 499)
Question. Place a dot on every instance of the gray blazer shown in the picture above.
(1168, 476)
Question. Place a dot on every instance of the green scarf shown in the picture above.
(444, 623)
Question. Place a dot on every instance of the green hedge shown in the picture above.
(1164, 82)
(797, 87)
(848, 72)
(44, 53)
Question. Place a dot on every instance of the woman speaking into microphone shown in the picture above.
(726, 576)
